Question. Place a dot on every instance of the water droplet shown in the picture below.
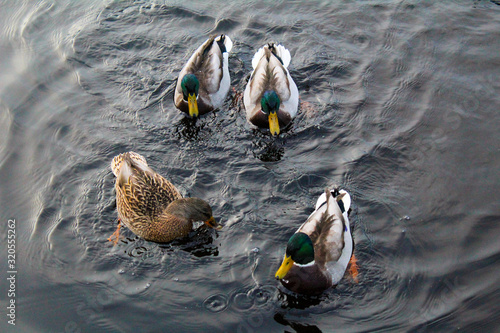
(216, 303)
(148, 285)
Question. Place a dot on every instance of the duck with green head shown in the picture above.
(271, 96)
(150, 206)
(204, 81)
(318, 254)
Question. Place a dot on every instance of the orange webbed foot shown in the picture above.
(115, 234)
(353, 268)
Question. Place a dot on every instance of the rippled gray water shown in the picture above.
(400, 106)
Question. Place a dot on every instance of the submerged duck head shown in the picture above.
(299, 250)
(270, 104)
(190, 86)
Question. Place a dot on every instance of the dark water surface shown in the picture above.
(400, 107)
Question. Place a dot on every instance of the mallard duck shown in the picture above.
(318, 253)
(271, 97)
(150, 205)
(204, 82)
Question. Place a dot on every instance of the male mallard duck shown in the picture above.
(204, 81)
(150, 205)
(318, 253)
(271, 97)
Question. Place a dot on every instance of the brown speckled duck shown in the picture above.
(150, 205)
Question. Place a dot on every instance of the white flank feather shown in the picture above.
(257, 56)
(284, 54)
(219, 97)
(228, 43)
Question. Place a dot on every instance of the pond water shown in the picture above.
(399, 106)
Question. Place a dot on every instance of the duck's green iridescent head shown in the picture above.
(300, 250)
(270, 104)
(190, 86)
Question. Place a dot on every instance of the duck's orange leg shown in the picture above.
(353, 268)
(116, 233)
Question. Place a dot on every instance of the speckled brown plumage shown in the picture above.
(149, 205)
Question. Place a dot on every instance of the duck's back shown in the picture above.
(142, 191)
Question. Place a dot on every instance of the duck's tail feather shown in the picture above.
(342, 196)
(345, 198)
(226, 41)
(257, 56)
(277, 49)
(117, 162)
(281, 52)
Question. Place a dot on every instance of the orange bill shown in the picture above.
(213, 224)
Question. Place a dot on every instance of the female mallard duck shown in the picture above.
(204, 81)
(271, 97)
(150, 205)
(318, 253)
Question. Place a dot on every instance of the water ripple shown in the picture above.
(216, 303)
(399, 105)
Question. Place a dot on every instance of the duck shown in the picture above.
(318, 253)
(204, 81)
(152, 207)
(271, 96)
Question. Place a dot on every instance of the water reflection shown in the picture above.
(137, 252)
(268, 148)
(198, 242)
(294, 301)
(400, 102)
(298, 327)
(194, 129)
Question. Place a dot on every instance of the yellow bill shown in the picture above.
(284, 268)
(193, 105)
(213, 224)
(274, 125)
